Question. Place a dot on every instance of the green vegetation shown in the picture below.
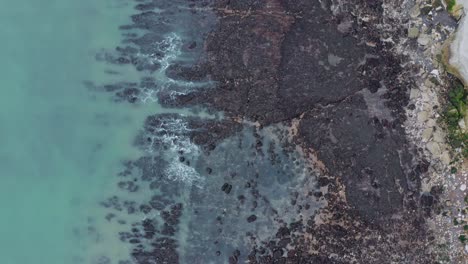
(455, 111)
(455, 9)
(462, 238)
(453, 170)
(450, 4)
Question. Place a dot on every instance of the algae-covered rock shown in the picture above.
(414, 93)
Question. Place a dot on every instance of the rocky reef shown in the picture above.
(330, 70)
(316, 153)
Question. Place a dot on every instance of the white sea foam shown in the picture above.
(174, 134)
(148, 96)
(171, 48)
(178, 171)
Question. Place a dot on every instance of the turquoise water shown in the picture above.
(60, 143)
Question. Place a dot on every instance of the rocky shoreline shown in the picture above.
(427, 128)
(333, 68)
(330, 136)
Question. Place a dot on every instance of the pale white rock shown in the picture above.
(423, 88)
(413, 32)
(434, 148)
(415, 11)
(463, 187)
(424, 28)
(435, 72)
(426, 98)
(427, 106)
(424, 39)
(422, 116)
(431, 122)
(414, 93)
(461, 124)
(426, 134)
(428, 84)
(445, 158)
(439, 136)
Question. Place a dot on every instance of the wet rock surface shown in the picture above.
(196, 216)
(366, 152)
(310, 163)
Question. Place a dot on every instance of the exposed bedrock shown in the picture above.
(371, 158)
(281, 60)
(327, 69)
(325, 74)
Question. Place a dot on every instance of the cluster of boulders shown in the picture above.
(429, 34)
(431, 31)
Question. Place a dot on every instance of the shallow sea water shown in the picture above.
(61, 143)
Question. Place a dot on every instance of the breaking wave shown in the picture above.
(170, 137)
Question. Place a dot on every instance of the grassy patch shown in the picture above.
(454, 112)
(450, 4)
